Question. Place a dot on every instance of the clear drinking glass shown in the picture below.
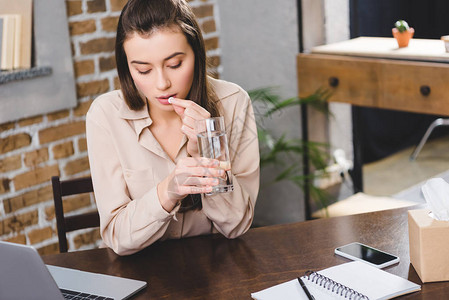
(213, 143)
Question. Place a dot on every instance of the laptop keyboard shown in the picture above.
(81, 296)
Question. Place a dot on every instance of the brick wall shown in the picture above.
(34, 149)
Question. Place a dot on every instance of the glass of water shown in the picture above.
(213, 143)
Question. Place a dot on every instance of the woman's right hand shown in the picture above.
(192, 175)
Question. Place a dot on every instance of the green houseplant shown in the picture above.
(287, 153)
(402, 32)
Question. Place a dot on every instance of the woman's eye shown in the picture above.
(176, 66)
(144, 72)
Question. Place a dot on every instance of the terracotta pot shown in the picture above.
(445, 38)
(403, 37)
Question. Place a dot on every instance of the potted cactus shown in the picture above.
(402, 33)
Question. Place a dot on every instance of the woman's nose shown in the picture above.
(163, 82)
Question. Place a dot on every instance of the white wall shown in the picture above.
(325, 22)
(336, 30)
(258, 47)
(259, 44)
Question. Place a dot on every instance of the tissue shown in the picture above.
(436, 193)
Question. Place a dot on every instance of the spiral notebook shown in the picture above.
(356, 279)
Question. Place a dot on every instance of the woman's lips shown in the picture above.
(164, 99)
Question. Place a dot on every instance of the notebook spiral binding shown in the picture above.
(334, 287)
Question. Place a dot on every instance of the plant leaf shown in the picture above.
(287, 154)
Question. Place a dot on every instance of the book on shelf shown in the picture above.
(353, 280)
(22, 10)
(17, 60)
(7, 41)
(1, 40)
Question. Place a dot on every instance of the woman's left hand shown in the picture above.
(189, 112)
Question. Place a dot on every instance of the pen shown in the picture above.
(309, 296)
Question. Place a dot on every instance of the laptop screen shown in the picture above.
(25, 276)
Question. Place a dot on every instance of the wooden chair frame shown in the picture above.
(62, 188)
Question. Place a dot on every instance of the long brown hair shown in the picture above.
(146, 16)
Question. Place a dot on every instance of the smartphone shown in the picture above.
(370, 255)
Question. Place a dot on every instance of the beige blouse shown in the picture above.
(127, 163)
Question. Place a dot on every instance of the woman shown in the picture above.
(147, 174)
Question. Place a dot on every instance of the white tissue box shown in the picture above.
(429, 245)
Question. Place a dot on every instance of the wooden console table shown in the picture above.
(374, 72)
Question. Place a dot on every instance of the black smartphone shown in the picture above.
(370, 255)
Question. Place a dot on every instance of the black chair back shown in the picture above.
(62, 188)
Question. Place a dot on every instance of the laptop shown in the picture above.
(23, 275)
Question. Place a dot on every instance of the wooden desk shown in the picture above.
(374, 72)
(213, 267)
